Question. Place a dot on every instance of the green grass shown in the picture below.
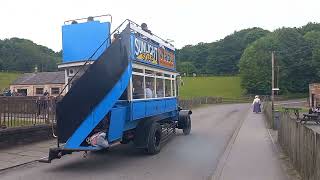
(281, 109)
(294, 95)
(220, 86)
(6, 78)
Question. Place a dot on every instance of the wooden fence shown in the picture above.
(267, 110)
(193, 102)
(302, 144)
(26, 111)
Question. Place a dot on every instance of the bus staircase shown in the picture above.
(93, 95)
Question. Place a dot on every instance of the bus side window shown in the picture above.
(137, 87)
(173, 88)
(150, 90)
(168, 87)
(160, 90)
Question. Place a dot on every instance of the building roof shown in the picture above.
(40, 78)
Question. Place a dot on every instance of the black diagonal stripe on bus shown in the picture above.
(90, 89)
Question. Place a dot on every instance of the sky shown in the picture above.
(184, 21)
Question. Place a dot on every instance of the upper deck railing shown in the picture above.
(134, 27)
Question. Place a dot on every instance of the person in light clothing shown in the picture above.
(256, 104)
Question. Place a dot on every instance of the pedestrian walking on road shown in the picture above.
(256, 104)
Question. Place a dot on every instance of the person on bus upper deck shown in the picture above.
(144, 27)
(115, 37)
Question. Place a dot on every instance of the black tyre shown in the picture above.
(187, 126)
(154, 139)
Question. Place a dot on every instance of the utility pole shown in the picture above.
(272, 90)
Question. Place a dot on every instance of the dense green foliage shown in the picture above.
(217, 58)
(221, 86)
(24, 55)
(6, 79)
(297, 54)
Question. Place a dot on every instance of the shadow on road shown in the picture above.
(108, 160)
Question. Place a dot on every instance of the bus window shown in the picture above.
(150, 90)
(159, 87)
(159, 74)
(167, 87)
(173, 88)
(149, 72)
(137, 70)
(137, 89)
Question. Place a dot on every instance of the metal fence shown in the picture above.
(30, 111)
(26, 111)
(302, 144)
(193, 102)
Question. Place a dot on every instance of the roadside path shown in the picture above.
(252, 155)
(22, 154)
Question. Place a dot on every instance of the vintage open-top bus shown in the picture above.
(121, 87)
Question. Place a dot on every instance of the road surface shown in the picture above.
(184, 157)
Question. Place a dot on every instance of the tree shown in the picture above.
(24, 55)
(221, 57)
(187, 67)
(293, 55)
(313, 38)
(309, 27)
(197, 55)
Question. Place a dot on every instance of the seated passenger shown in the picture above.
(149, 93)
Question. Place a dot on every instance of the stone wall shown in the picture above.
(24, 135)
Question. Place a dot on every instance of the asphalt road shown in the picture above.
(184, 157)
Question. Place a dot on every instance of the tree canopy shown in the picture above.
(296, 56)
(24, 55)
(218, 58)
(248, 53)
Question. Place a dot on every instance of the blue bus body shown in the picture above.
(100, 95)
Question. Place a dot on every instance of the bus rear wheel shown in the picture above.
(154, 139)
(187, 126)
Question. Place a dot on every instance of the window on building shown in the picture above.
(137, 87)
(39, 91)
(159, 87)
(55, 91)
(167, 88)
(150, 89)
(22, 92)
